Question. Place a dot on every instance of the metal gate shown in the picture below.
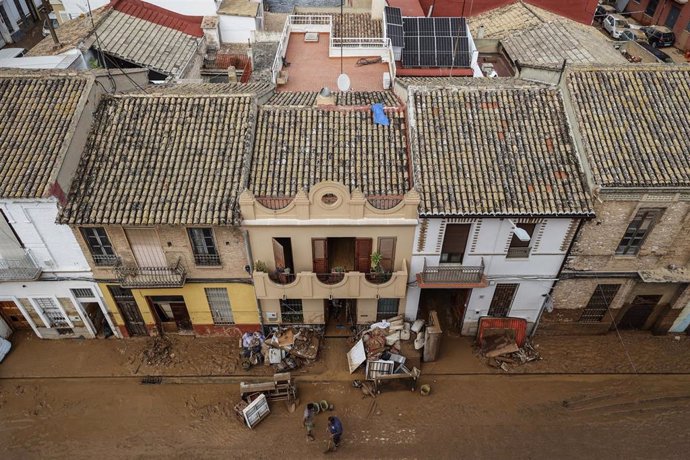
(129, 310)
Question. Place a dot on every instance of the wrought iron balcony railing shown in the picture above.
(451, 275)
(20, 268)
(143, 277)
(109, 260)
(207, 260)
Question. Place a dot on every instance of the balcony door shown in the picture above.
(454, 243)
(146, 247)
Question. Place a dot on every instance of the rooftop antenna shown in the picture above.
(343, 79)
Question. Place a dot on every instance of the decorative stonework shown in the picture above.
(329, 200)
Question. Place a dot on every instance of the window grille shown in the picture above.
(291, 311)
(599, 303)
(219, 302)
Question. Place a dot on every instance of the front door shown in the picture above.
(181, 315)
(129, 311)
(637, 315)
(13, 316)
(171, 313)
(146, 247)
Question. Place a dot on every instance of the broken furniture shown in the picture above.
(253, 413)
(282, 388)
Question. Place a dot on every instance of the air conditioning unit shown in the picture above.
(311, 37)
(271, 316)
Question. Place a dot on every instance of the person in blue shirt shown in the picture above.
(335, 429)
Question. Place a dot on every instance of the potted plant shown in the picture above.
(378, 275)
(260, 266)
(337, 274)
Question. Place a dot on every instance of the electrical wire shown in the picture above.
(620, 338)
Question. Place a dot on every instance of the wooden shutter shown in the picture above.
(278, 254)
(146, 247)
(363, 248)
(455, 238)
(319, 247)
(387, 250)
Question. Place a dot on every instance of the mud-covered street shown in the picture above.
(464, 417)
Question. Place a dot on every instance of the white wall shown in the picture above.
(489, 240)
(186, 7)
(236, 29)
(53, 246)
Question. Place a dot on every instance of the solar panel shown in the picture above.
(393, 15)
(395, 33)
(435, 42)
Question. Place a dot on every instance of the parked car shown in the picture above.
(615, 24)
(602, 11)
(659, 36)
(660, 55)
(633, 35)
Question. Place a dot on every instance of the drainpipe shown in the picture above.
(248, 249)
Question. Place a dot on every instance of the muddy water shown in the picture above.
(286, 6)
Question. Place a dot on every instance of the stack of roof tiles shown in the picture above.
(495, 151)
(295, 148)
(164, 159)
(38, 116)
(634, 124)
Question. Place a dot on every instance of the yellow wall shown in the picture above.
(242, 302)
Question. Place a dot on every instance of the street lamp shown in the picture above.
(521, 233)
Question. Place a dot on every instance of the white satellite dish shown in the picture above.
(343, 82)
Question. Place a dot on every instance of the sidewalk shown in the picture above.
(218, 356)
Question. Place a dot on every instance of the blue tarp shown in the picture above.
(380, 117)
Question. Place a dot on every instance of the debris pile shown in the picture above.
(158, 352)
(501, 351)
(289, 348)
(383, 346)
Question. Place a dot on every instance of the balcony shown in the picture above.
(146, 277)
(452, 276)
(19, 268)
(207, 260)
(344, 285)
(105, 260)
(518, 252)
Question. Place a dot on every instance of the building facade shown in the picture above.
(318, 253)
(502, 196)
(629, 266)
(674, 14)
(154, 208)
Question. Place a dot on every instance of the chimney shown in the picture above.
(210, 27)
(325, 97)
(232, 74)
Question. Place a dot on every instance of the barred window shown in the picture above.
(101, 249)
(599, 303)
(502, 300)
(386, 308)
(204, 246)
(291, 311)
(52, 311)
(637, 231)
(219, 302)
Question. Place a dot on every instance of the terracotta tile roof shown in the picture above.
(147, 44)
(501, 22)
(638, 135)
(495, 151)
(548, 44)
(354, 25)
(190, 25)
(38, 115)
(350, 98)
(211, 88)
(76, 33)
(163, 159)
(443, 82)
(295, 148)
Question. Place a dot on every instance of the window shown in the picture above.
(651, 7)
(502, 300)
(637, 231)
(204, 247)
(291, 311)
(82, 293)
(599, 303)
(387, 251)
(454, 243)
(219, 302)
(519, 249)
(386, 308)
(672, 17)
(99, 245)
(52, 312)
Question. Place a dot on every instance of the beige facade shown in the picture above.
(652, 279)
(317, 247)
